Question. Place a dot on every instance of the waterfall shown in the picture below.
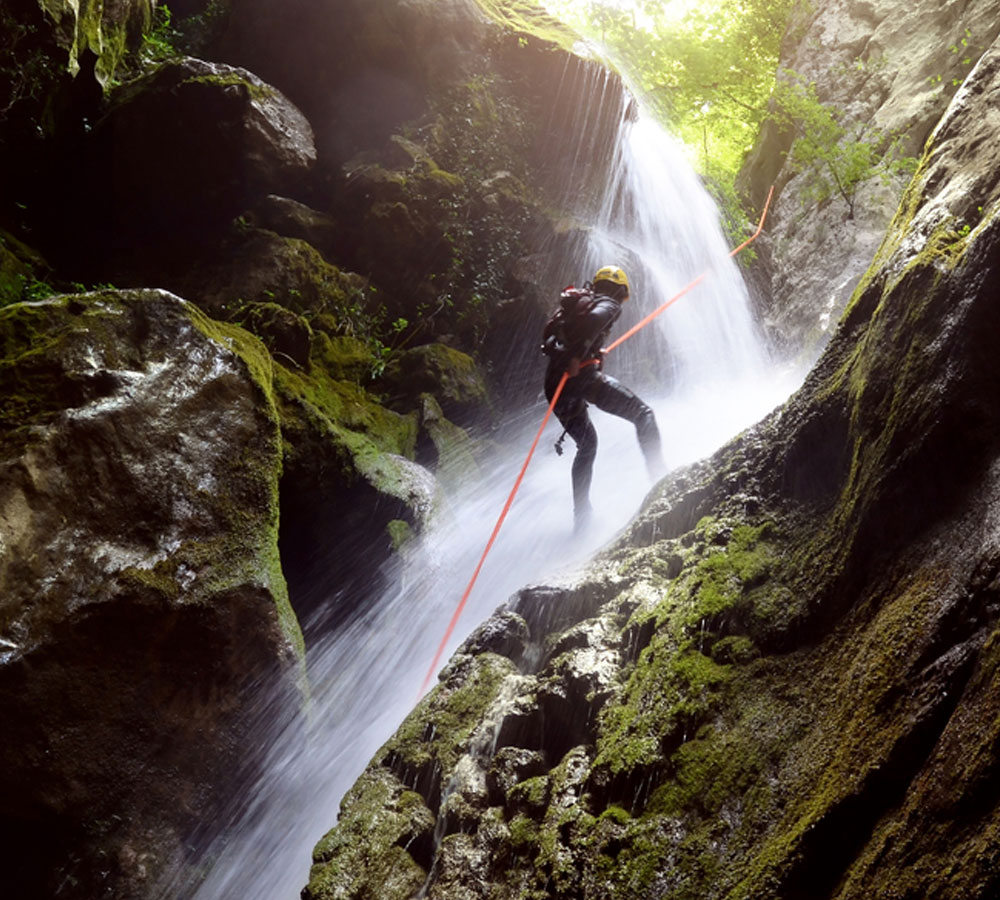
(701, 366)
(661, 226)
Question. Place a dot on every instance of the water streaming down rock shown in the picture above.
(704, 371)
(658, 222)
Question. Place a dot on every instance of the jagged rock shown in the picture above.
(190, 146)
(140, 583)
(891, 66)
(290, 218)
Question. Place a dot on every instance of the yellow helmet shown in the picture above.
(614, 274)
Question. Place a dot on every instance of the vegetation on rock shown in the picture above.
(786, 662)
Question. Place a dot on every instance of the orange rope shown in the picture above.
(545, 420)
(496, 531)
(693, 284)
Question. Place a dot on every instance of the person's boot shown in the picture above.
(582, 517)
(655, 466)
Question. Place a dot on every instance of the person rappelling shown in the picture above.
(558, 348)
(572, 340)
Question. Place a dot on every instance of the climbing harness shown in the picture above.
(545, 420)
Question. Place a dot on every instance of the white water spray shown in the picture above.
(700, 366)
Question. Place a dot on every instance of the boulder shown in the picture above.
(289, 218)
(259, 266)
(141, 596)
(451, 376)
(186, 148)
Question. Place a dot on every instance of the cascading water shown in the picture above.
(700, 366)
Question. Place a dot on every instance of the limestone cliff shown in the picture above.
(887, 70)
(782, 681)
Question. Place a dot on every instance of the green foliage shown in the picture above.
(26, 71)
(159, 43)
(34, 289)
(962, 49)
(708, 72)
(196, 32)
(836, 157)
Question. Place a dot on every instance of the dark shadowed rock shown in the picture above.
(290, 218)
(190, 146)
(450, 375)
(141, 598)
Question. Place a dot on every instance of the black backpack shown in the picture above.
(574, 304)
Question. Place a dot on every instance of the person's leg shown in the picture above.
(613, 397)
(582, 430)
(573, 417)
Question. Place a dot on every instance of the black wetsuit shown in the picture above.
(583, 341)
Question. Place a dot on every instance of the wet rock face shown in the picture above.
(141, 594)
(888, 69)
(782, 681)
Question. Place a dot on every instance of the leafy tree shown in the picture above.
(836, 156)
(708, 72)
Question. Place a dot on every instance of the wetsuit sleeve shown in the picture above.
(589, 330)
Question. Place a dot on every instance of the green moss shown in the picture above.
(523, 833)
(705, 773)
(668, 693)
(400, 533)
(366, 854)
(531, 795)
(449, 714)
(258, 92)
(529, 18)
(341, 357)
(349, 411)
(616, 814)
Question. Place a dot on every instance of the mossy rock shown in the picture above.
(140, 457)
(449, 375)
(444, 447)
(257, 266)
(341, 357)
(284, 333)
